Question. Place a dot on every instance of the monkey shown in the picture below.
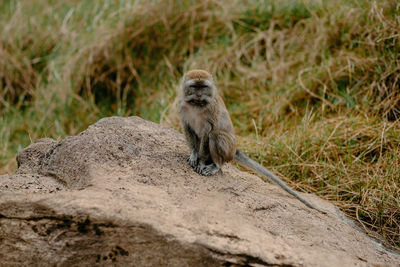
(209, 131)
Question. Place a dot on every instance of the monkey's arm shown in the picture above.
(244, 160)
(203, 149)
(203, 166)
(194, 144)
(204, 157)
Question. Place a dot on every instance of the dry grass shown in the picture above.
(312, 86)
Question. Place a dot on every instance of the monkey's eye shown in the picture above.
(198, 86)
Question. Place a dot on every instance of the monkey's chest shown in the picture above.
(196, 119)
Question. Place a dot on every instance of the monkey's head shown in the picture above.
(198, 87)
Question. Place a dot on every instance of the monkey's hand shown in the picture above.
(207, 170)
(193, 159)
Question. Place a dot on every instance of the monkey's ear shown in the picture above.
(183, 79)
(212, 77)
(182, 82)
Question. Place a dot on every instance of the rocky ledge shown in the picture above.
(121, 193)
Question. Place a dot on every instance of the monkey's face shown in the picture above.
(198, 88)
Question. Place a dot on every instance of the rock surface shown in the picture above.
(121, 193)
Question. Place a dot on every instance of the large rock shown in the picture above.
(122, 193)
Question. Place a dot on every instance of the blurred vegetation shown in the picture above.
(312, 86)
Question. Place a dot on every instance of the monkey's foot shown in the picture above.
(193, 160)
(207, 170)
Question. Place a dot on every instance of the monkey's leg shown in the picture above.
(194, 143)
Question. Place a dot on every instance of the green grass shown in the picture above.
(312, 86)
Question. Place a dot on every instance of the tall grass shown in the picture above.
(312, 86)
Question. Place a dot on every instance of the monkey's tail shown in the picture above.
(242, 159)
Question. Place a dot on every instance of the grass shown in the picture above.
(312, 86)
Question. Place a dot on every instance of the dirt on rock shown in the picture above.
(122, 194)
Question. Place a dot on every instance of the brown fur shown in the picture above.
(209, 131)
(198, 74)
(213, 138)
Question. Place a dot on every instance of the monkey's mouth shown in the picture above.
(198, 102)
